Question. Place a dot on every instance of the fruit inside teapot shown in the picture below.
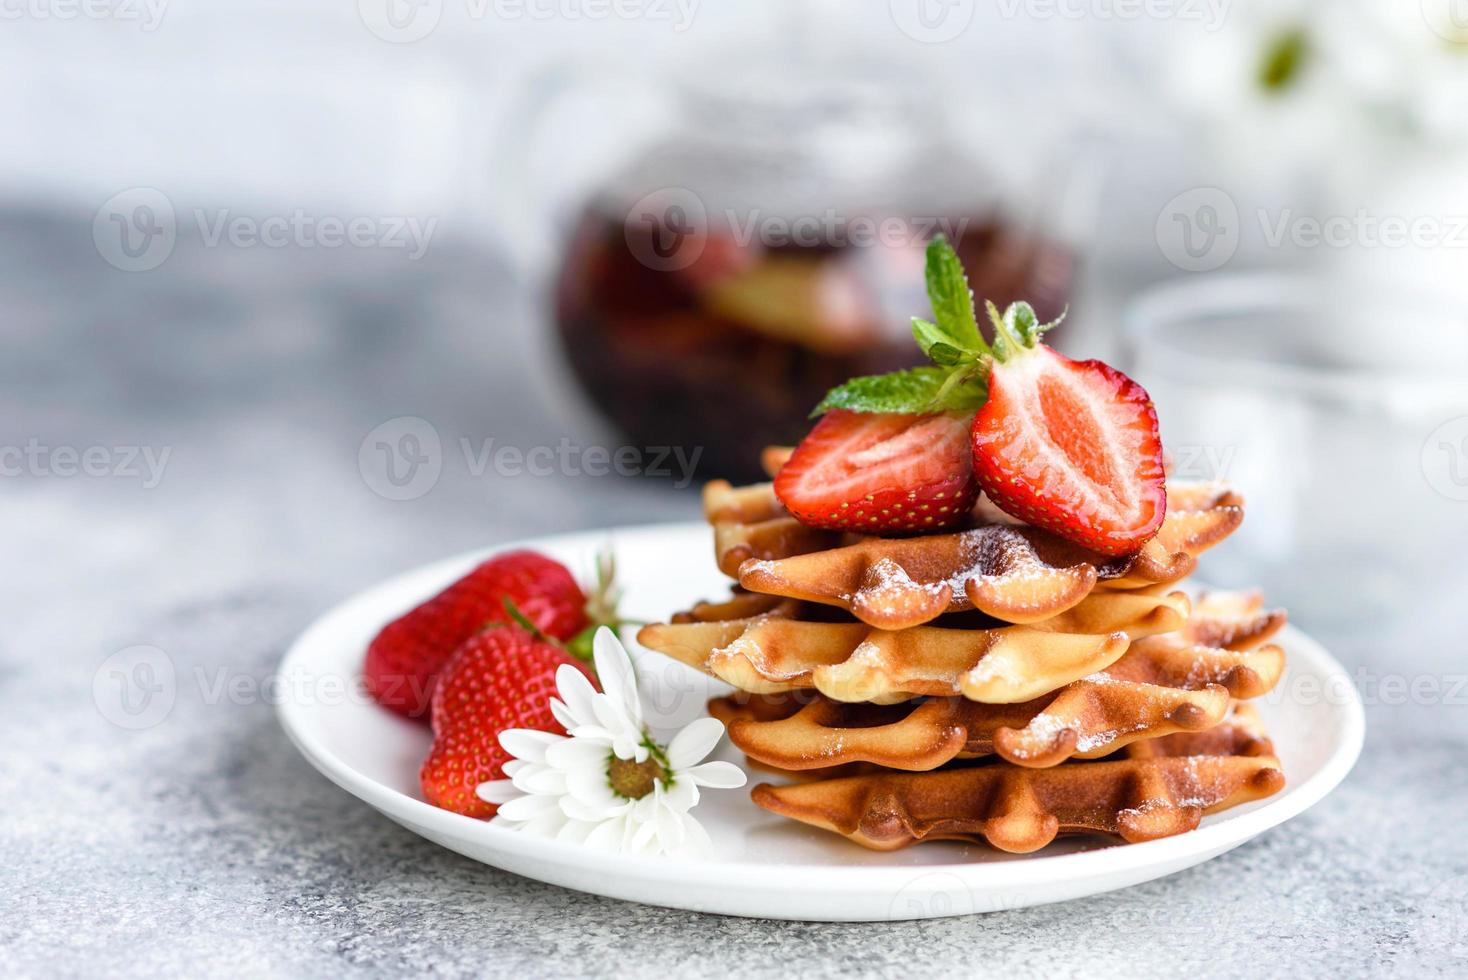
(721, 330)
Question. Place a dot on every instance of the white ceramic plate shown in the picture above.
(765, 866)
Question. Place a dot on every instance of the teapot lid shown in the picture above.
(785, 136)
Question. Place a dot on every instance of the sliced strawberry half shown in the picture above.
(881, 473)
(1071, 446)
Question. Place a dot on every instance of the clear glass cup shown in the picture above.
(1340, 411)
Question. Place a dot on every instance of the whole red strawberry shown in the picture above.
(410, 651)
(502, 678)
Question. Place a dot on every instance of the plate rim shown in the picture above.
(1025, 871)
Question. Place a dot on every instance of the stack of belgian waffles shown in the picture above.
(993, 683)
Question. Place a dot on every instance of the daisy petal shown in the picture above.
(614, 721)
(694, 742)
(670, 829)
(645, 841)
(589, 785)
(608, 835)
(614, 670)
(574, 753)
(548, 824)
(543, 781)
(527, 743)
(590, 812)
(696, 841)
(562, 714)
(529, 808)
(575, 831)
(718, 775)
(683, 796)
(497, 791)
(591, 733)
(576, 691)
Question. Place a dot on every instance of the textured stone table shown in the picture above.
(204, 845)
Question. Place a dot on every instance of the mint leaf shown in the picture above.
(946, 355)
(912, 390)
(966, 390)
(1021, 320)
(953, 301)
(938, 345)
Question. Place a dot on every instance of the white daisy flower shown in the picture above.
(606, 783)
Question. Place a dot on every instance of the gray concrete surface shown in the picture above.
(204, 845)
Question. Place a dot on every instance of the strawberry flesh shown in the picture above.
(1071, 446)
(879, 473)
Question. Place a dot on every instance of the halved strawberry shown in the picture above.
(1071, 446)
(881, 473)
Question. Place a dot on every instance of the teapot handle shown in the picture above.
(516, 192)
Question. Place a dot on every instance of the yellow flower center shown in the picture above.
(633, 780)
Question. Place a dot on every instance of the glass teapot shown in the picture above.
(765, 242)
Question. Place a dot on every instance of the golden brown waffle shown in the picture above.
(769, 644)
(749, 523)
(1152, 789)
(1155, 689)
(1013, 572)
(850, 661)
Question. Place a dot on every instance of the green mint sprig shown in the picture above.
(958, 380)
